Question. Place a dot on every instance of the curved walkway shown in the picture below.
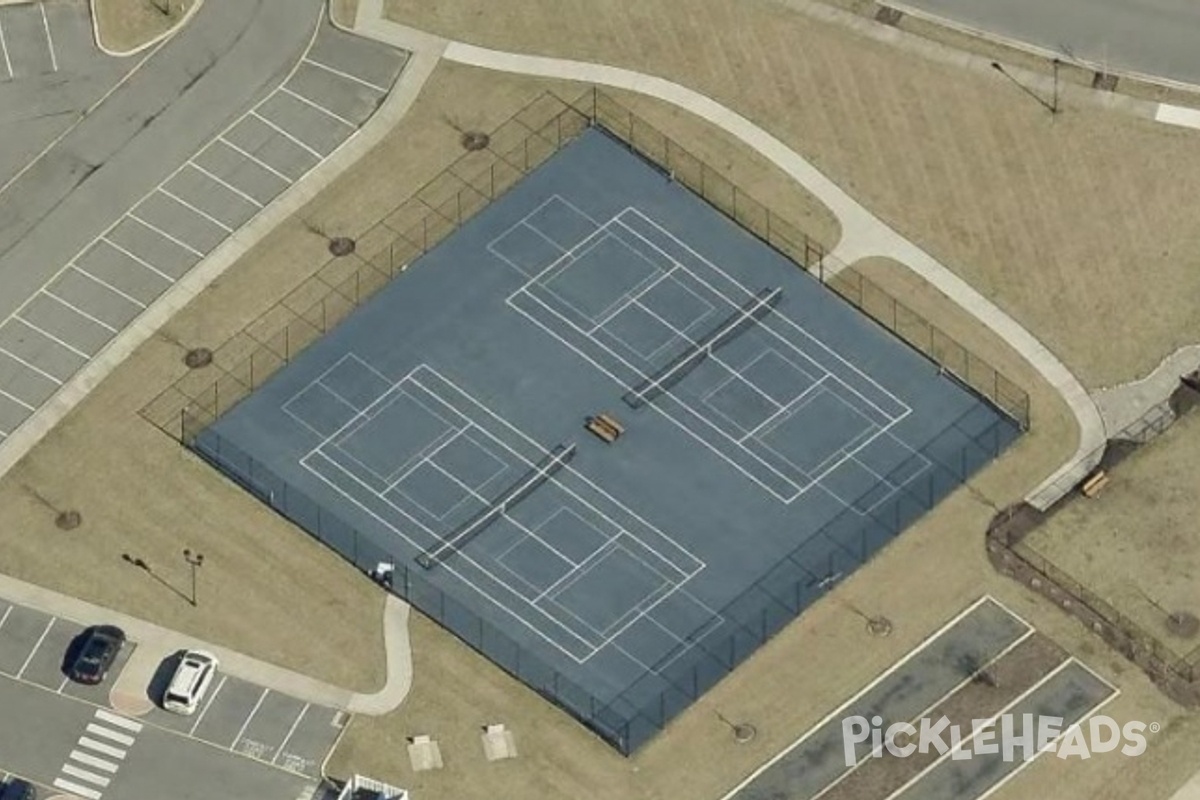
(863, 234)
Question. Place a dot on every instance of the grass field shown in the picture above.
(125, 25)
(1088, 210)
(1135, 545)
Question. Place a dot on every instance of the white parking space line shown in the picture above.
(78, 311)
(191, 207)
(106, 285)
(52, 337)
(295, 724)
(345, 75)
(36, 369)
(208, 705)
(76, 789)
(253, 711)
(120, 722)
(93, 761)
(316, 154)
(33, 652)
(165, 235)
(49, 38)
(137, 258)
(100, 730)
(27, 407)
(101, 747)
(255, 159)
(4, 49)
(319, 107)
(86, 775)
(62, 686)
(8, 610)
(228, 186)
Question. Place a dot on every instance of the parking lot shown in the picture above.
(332, 91)
(236, 715)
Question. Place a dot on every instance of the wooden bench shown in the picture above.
(1095, 484)
(596, 426)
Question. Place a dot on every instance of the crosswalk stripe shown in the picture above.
(100, 730)
(120, 722)
(101, 747)
(92, 761)
(85, 775)
(76, 789)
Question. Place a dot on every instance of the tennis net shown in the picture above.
(542, 471)
(677, 368)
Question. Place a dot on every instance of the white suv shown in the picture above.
(191, 680)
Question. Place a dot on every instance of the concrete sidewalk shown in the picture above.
(155, 643)
(863, 234)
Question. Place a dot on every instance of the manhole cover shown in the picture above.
(744, 732)
(1183, 624)
(68, 520)
(879, 626)
(475, 140)
(198, 357)
(341, 246)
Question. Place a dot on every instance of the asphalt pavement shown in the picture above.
(1148, 37)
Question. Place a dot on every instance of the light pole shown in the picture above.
(1051, 107)
(196, 560)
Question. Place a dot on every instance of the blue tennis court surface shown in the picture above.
(773, 438)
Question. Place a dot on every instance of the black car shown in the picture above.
(17, 789)
(97, 649)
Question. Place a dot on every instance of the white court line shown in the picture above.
(76, 789)
(49, 38)
(803, 396)
(192, 208)
(135, 258)
(319, 108)
(119, 721)
(345, 75)
(291, 730)
(93, 761)
(7, 62)
(876, 752)
(101, 747)
(251, 157)
(19, 402)
(77, 310)
(207, 706)
(109, 733)
(164, 234)
(38, 370)
(787, 321)
(224, 183)
(85, 775)
(992, 719)
(909, 656)
(105, 284)
(246, 724)
(315, 153)
(52, 337)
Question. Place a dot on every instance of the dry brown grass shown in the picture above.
(125, 25)
(343, 12)
(1067, 223)
(1135, 545)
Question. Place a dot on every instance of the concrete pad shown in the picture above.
(130, 692)
(498, 743)
(424, 754)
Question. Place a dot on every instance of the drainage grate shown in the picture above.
(1104, 81)
(475, 140)
(341, 246)
(198, 357)
(68, 520)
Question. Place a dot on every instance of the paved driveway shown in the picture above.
(261, 743)
(1152, 37)
(173, 162)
